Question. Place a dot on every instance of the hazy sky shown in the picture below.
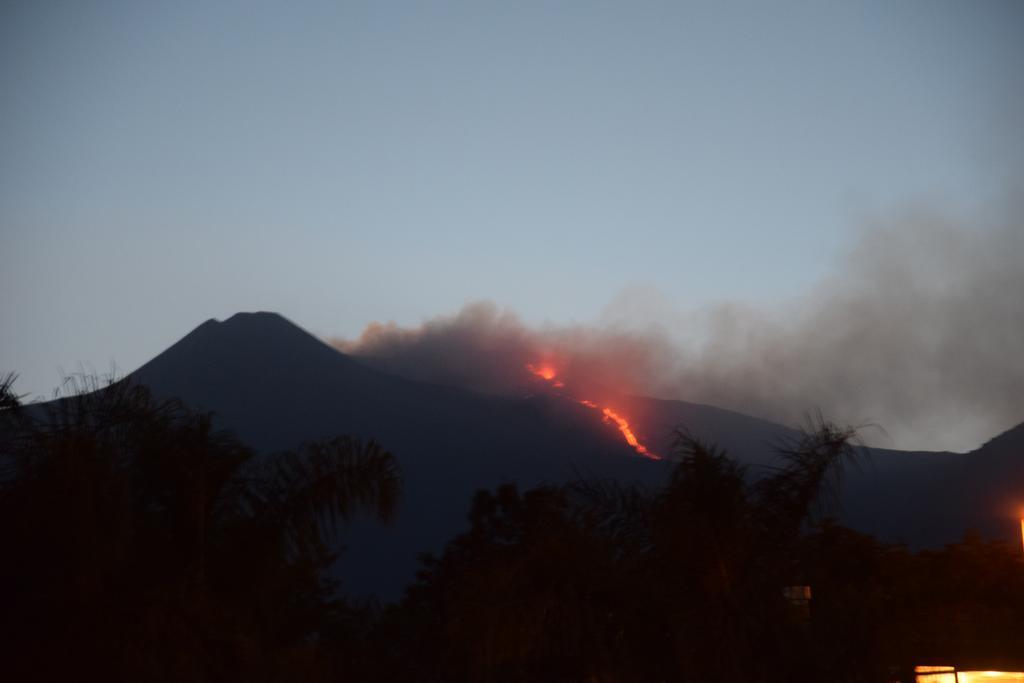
(164, 163)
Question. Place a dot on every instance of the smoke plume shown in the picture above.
(919, 330)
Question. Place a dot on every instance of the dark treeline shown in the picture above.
(140, 544)
(592, 582)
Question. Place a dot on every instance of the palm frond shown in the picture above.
(324, 484)
(813, 464)
(616, 510)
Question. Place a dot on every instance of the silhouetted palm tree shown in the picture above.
(142, 541)
(807, 484)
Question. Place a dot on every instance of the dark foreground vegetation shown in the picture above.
(140, 544)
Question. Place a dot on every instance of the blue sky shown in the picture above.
(164, 163)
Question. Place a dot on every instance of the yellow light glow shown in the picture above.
(990, 676)
(949, 674)
(935, 674)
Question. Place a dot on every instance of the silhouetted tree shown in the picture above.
(528, 593)
(141, 543)
(601, 581)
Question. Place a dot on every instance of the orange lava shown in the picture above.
(545, 371)
(548, 374)
(630, 437)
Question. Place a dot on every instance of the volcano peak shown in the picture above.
(255, 322)
(247, 329)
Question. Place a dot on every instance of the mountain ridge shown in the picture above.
(275, 385)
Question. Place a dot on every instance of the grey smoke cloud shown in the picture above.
(919, 330)
(486, 348)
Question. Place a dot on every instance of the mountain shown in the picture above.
(255, 363)
(931, 499)
(275, 386)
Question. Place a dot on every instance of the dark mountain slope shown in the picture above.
(276, 386)
(930, 499)
(992, 481)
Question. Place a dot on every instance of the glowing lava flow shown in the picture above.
(548, 374)
(545, 372)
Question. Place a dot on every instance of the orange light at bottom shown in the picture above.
(935, 674)
(949, 674)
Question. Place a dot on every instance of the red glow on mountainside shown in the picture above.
(548, 373)
(545, 372)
